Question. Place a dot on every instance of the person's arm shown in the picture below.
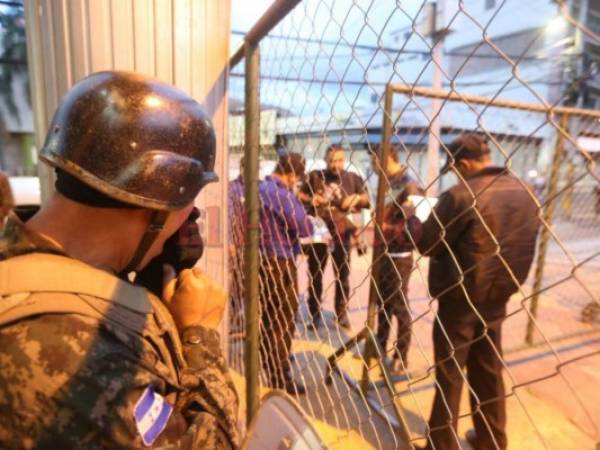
(444, 225)
(87, 394)
(197, 304)
(363, 194)
(308, 193)
(315, 200)
(211, 401)
(285, 205)
(359, 198)
(361, 201)
(294, 214)
(305, 192)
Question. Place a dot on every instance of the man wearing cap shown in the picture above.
(480, 239)
(89, 360)
(283, 222)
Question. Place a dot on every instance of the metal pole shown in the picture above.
(433, 139)
(550, 205)
(252, 203)
(272, 16)
(371, 346)
(568, 199)
(38, 98)
(452, 96)
(382, 187)
(394, 397)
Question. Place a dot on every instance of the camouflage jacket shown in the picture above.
(106, 373)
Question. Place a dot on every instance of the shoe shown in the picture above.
(399, 363)
(398, 366)
(315, 323)
(294, 388)
(344, 323)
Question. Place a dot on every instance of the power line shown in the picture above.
(376, 48)
(375, 83)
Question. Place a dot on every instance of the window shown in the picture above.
(490, 4)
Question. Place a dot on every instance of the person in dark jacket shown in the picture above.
(332, 194)
(481, 240)
(283, 222)
(400, 229)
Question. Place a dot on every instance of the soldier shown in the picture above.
(6, 198)
(481, 241)
(89, 359)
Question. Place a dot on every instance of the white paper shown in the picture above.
(423, 205)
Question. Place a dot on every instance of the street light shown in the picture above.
(556, 26)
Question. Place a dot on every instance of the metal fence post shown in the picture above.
(252, 202)
(372, 349)
(377, 249)
(567, 203)
(550, 205)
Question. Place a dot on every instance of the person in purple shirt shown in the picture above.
(283, 221)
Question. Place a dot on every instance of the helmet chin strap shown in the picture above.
(156, 225)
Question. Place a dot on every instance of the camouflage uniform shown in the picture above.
(73, 367)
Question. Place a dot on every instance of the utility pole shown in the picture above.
(582, 75)
(579, 50)
(434, 19)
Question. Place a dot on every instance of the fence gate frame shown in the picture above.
(557, 116)
(371, 349)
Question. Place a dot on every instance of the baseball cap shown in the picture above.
(465, 146)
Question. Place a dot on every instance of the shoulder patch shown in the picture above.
(151, 414)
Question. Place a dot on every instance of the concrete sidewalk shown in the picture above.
(552, 386)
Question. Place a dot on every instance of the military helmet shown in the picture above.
(135, 139)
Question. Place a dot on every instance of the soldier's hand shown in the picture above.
(193, 298)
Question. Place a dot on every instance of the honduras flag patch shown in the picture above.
(151, 413)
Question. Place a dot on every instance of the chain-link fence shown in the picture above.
(335, 277)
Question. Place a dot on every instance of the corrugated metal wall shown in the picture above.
(183, 42)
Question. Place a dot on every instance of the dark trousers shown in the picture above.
(468, 343)
(317, 261)
(279, 306)
(394, 274)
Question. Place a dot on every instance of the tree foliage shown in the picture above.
(13, 58)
